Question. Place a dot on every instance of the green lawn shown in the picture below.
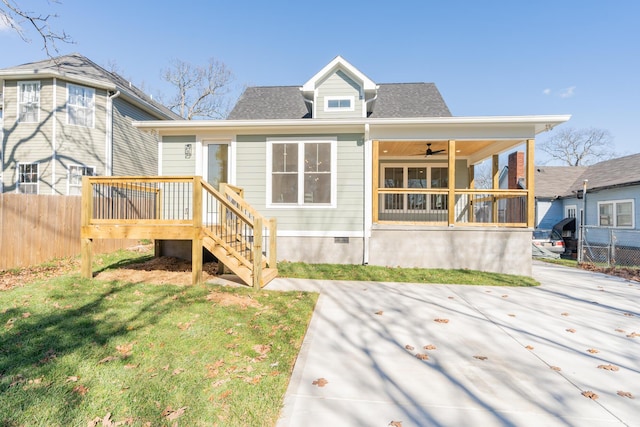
(408, 275)
(74, 352)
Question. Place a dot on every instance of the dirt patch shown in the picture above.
(624, 272)
(17, 277)
(225, 300)
(161, 270)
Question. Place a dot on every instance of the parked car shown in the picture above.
(551, 240)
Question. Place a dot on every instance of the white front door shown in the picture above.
(215, 171)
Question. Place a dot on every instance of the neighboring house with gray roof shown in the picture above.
(361, 172)
(66, 117)
(613, 193)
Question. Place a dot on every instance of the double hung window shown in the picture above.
(27, 178)
(302, 173)
(29, 102)
(80, 105)
(76, 172)
(616, 213)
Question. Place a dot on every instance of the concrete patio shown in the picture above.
(497, 356)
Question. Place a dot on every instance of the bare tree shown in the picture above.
(14, 17)
(579, 147)
(201, 91)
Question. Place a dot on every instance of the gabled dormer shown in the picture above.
(339, 90)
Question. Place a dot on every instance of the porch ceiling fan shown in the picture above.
(429, 152)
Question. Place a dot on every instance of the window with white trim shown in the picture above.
(338, 103)
(80, 105)
(570, 211)
(75, 174)
(27, 182)
(616, 213)
(29, 102)
(302, 173)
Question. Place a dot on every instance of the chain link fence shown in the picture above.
(608, 246)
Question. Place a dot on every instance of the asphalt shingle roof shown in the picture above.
(79, 66)
(394, 100)
(563, 181)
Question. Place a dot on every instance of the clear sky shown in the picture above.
(492, 57)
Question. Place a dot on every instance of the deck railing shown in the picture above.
(480, 207)
(177, 208)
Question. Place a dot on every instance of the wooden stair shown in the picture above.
(241, 266)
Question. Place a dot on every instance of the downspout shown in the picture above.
(368, 194)
(108, 150)
(310, 102)
(366, 103)
(54, 140)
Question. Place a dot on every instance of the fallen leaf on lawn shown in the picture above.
(556, 368)
(219, 383)
(125, 349)
(573, 331)
(320, 382)
(395, 424)
(564, 314)
(481, 357)
(429, 347)
(177, 371)
(131, 366)
(441, 320)
(529, 347)
(593, 351)
(165, 368)
(625, 394)
(184, 326)
(25, 315)
(591, 395)
(107, 359)
(409, 347)
(224, 394)
(262, 348)
(48, 357)
(422, 356)
(171, 415)
(379, 313)
(609, 367)
(80, 389)
(72, 379)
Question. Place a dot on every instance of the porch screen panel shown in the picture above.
(284, 173)
(416, 178)
(439, 179)
(317, 173)
(394, 178)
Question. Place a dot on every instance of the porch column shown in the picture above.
(495, 174)
(451, 202)
(375, 178)
(530, 183)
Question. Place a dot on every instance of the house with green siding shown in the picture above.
(362, 172)
(66, 117)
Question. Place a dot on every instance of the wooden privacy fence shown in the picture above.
(39, 228)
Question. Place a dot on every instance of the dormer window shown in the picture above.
(338, 103)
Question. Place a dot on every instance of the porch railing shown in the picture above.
(479, 207)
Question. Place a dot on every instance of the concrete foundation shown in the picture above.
(498, 250)
(321, 250)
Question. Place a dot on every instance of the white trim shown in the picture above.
(19, 92)
(614, 204)
(160, 147)
(305, 233)
(566, 210)
(349, 98)
(204, 157)
(301, 141)
(339, 62)
(93, 107)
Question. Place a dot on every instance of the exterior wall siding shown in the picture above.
(338, 84)
(134, 152)
(349, 212)
(173, 161)
(27, 142)
(78, 145)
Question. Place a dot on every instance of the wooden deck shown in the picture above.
(180, 208)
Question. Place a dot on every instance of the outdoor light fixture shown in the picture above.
(188, 150)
